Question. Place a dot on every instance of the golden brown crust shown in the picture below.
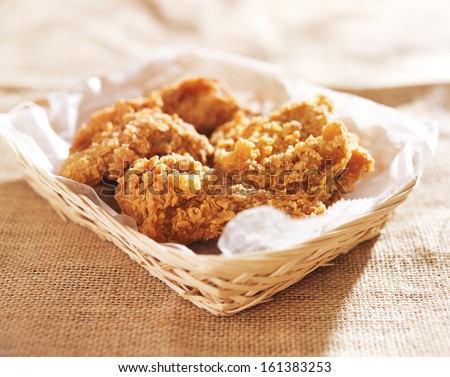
(310, 116)
(115, 139)
(295, 159)
(199, 101)
(176, 199)
(297, 143)
(110, 118)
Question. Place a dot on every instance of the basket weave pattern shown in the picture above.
(222, 286)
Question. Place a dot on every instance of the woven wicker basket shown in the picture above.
(223, 286)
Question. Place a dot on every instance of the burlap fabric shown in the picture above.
(64, 292)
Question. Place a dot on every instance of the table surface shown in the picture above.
(64, 292)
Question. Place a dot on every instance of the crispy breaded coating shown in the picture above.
(177, 199)
(296, 159)
(115, 138)
(295, 147)
(233, 129)
(360, 163)
(312, 115)
(281, 147)
(199, 101)
(111, 118)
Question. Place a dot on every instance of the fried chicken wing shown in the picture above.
(199, 101)
(177, 199)
(115, 138)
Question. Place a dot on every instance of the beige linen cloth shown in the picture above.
(64, 292)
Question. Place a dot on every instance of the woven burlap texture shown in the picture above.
(64, 292)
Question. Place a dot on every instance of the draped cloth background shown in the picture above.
(64, 292)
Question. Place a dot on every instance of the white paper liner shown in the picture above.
(401, 145)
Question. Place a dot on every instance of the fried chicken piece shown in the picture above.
(177, 199)
(296, 147)
(111, 118)
(232, 130)
(360, 163)
(118, 136)
(279, 158)
(312, 115)
(199, 101)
